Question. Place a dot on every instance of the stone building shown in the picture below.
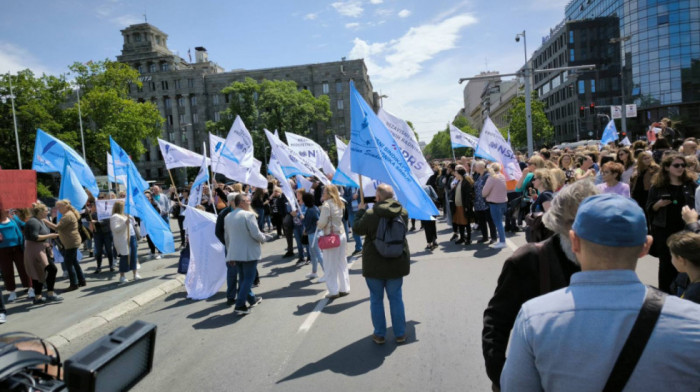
(188, 94)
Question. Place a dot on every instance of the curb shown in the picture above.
(75, 331)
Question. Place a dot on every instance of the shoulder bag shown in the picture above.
(331, 240)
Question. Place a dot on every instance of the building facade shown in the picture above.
(188, 94)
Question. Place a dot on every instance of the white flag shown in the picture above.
(247, 175)
(292, 163)
(462, 139)
(626, 141)
(110, 172)
(274, 168)
(406, 141)
(493, 146)
(176, 156)
(310, 151)
(207, 270)
(198, 185)
(303, 183)
(238, 147)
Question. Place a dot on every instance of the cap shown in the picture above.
(611, 220)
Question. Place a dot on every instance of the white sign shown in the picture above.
(631, 111)
(104, 208)
(615, 112)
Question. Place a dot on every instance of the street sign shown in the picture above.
(631, 111)
(615, 112)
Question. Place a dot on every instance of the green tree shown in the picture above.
(542, 130)
(441, 144)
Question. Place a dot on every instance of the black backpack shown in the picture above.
(391, 234)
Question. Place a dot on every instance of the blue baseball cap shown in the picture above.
(611, 220)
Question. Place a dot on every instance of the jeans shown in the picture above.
(103, 244)
(298, 232)
(315, 253)
(486, 224)
(497, 212)
(376, 305)
(70, 262)
(231, 281)
(357, 238)
(128, 262)
(246, 275)
(261, 217)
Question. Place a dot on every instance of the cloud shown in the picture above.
(352, 25)
(14, 58)
(110, 10)
(310, 16)
(349, 8)
(126, 20)
(404, 13)
(384, 12)
(548, 4)
(403, 57)
(376, 1)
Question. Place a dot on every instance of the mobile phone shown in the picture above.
(666, 196)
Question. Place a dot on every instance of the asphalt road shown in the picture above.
(298, 341)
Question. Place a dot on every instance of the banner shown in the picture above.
(71, 188)
(238, 146)
(176, 156)
(462, 139)
(375, 154)
(406, 141)
(310, 151)
(303, 183)
(50, 155)
(292, 163)
(137, 204)
(110, 172)
(276, 170)
(104, 208)
(609, 134)
(121, 162)
(207, 270)
(493, 146)
(17, 188)
(344, 175)
(247, 175)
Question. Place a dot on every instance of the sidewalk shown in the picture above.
(101, 301)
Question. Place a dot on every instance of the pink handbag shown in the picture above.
(329, 241)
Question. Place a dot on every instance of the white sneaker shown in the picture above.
(499, 245)
(322, 279)
(30, 293)
(138, 266)
(311, 276)
(12, 297)
(123, 279)
(137, 277)
(3, 318)
(158, 257)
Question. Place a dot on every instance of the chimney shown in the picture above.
(200, 54)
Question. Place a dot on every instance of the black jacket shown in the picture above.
(520, 281)
(219, 231)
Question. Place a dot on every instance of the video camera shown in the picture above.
(115, 362)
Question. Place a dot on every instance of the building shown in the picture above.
(472, 97)
(497, 99)
(661, 68)
(188, 94)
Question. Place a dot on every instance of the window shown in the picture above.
(166, 101)
(581, 87)
(181, 102)
(177, 84)
(341, 105)
(152, 68)
(181, 119)
(593, 85)
(158, 42)
(193, 100)
(141, 68)
(164, 67)
(325, 88)
(571, 55)
(170, 119)
(338, 86)
(217, 116)
(148, 173)
(164, 84)
(153, 86)
(662, 19)
(137, 37)
(190, 82)
(195, 118)
(215, 99)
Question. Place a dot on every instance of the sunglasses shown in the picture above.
(678, 165)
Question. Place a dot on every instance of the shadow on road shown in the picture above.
(360, 357)
(339, 307)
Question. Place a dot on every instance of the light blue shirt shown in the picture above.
(569, 340)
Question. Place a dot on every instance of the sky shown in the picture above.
(415, 50)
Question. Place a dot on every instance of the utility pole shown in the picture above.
(80, 120)
(622, 40)
(528, 95)
(14, 119)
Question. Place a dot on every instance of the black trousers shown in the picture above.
(288, 226)
(485, 222)
(51, 271)
(430, 231)
(180, 223)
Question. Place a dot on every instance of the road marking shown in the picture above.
(511, 245)
(311, 318)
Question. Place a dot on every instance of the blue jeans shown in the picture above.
(376, 305)
(498, 210)
(298, 233)
(128, 262)
(261, 217)
(246, 276)
(231, 281)
(103, 245)
(70, 262)
(357, 238)
(315, 253)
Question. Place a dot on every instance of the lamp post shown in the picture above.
(528, 94)
(381, 100)
(14, 119)
(622, 40)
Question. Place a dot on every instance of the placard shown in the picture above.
(17, 188)
(104, 208)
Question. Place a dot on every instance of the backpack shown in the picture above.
(391, 234)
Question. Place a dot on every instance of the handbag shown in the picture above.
(329, 241)
(536, 230)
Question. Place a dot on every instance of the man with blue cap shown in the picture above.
(570, 339)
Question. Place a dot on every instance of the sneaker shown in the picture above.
(300, 262)
(378, 339)
(123, 279)
(153, 256)
(82, 284)
(97, 271)
(230, 302)
(159, 256)
(311, 276)
(12, 297)
(241, 311)
(332, 296)
(138, 266)
(460, 241)
(454, 237)
(288, 254)
(137, 277)
(39, 301)
(401, 339)
(3, 318)
(357, 251)
(258, 299)
(54, 298)
(343, 293)
(499, 245)
(70, 288)
(111, 269)
(322, 279)
(30, 293)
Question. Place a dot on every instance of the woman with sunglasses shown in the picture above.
(640, 183)
(672, 188)
(624, 157)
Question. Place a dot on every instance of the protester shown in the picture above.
(685, 256)
(335, 264)
(243, 239)
(672, 188)
(277, 211)
(351, 207)
(383, 274)
(462, 205)
(429, 225)
(155, 253)
(124, 234)
(481, 206)
(220, 232)
(566, 163)
(310, 221)
(640, 183)
(38, 255)
(163, 202)
(571, 339)
(258, 203)
(298, 219)
(495, 194)
(625, 158)
(12, 254)
(523, 276)
(69, 236)
(102, 236)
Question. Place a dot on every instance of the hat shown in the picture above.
(231, 196)
(611, 220)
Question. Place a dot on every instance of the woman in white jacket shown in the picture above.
(335, 261)
(124, 241)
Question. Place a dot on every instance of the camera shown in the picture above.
(517, 38)
(115, 362)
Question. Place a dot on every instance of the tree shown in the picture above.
(542, 130)
(441, 144)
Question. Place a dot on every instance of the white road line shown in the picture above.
(511, 245)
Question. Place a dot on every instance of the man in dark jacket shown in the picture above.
(534, 269)
(231, 270)
(383, 274)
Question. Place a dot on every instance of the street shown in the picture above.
(298, 341)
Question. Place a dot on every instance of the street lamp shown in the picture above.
(14, 119)
(381, 100)
(621, 41)
(528, 94)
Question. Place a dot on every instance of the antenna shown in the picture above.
(145, 16)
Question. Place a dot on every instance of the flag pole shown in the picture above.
(362, 193)
(211, 191)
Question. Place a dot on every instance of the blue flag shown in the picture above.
(138, 205)
(71, 188)
(50, 155)
(121, 162)
(609, 134)
(375, 154)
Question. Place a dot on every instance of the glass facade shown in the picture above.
(661, 58)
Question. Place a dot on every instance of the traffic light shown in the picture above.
(592, 107)
(582, 111)
(624, 134)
